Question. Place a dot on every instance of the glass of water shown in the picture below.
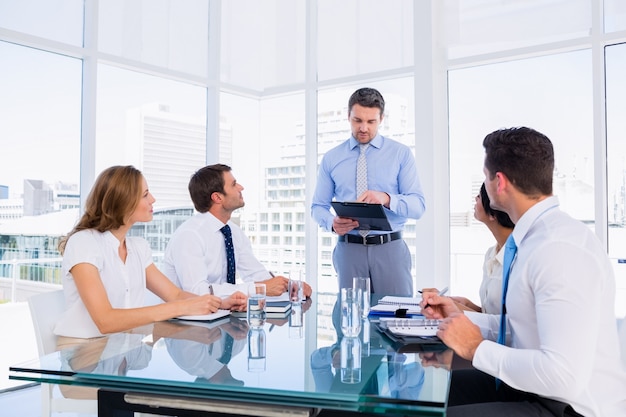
(256, 304)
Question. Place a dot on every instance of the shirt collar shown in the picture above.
(214, 223)
(529, 218)
(377, 142)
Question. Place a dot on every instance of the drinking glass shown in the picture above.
(256, 305)
(363, 284)
(350, 312)
(296, 287)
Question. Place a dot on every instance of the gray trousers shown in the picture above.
(388, 266)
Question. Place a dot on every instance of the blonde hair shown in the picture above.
(114, 196)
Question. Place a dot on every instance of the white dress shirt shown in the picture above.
(125, 283)
(560, 312)
(491, 286)
(196, 257)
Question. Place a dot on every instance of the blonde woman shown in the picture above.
(106, 272)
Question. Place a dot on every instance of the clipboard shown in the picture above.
(369, 216)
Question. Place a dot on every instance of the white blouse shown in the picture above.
(125, 283)
(491, 286)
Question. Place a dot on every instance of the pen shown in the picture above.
(440, 293)
(272, 274)
(211, 289)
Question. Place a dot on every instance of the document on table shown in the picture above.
(207, 317)
(389, 304)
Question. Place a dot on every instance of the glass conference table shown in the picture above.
(192, 368)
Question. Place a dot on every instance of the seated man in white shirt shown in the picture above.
(557, 352)
(196, 258)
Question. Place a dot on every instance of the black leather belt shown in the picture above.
(371, 239)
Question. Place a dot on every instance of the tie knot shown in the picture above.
(510, 243)
(226, 231)
(363, 147)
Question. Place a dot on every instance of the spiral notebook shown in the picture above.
(410, 327)
(390, 303)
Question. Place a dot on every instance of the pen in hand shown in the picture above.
(440, 293)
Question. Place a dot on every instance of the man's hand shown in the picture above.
(237, 301)
(436, 306)
(375, 197)
(275, 285)
(307, 290)
(342, 225)
(460, 334)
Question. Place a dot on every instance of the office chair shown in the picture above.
(45, 309)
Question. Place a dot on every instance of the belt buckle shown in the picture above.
(380, 238)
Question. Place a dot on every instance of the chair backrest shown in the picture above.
(45, 310)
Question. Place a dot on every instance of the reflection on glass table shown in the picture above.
(290, 362)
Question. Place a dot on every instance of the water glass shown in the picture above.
(296, 288)
(350, 360)
(256, 350)
(256, 305)
(350, 312)
(364, 285)
(296, 322)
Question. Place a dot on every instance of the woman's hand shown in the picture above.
(202, 304)
(235, 302)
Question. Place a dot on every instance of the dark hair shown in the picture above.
(204, 182)
(367, 97)
(501, 217)
(524, 155)
(113, 198)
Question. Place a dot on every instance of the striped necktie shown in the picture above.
(361, 176)
(230, 254)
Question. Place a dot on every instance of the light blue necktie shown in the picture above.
(509, 254)
(510, 248)
(230, 254)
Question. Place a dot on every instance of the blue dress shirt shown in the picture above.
(391, 168)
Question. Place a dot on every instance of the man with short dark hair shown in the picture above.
(557, 350)
(370, 168)
(196, 257)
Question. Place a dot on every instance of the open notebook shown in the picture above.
(207, 317)
(389, 304)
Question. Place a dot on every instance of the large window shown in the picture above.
(155, 124)
(39, 137)
(169, 86)
(551, 94)
(616, 167)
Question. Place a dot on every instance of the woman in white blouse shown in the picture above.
(106, 272)
(501, 227)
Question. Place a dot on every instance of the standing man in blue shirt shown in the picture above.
(390, 173)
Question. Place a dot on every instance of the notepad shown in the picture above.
(411, 326)
(207, 317)
(389, 304)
